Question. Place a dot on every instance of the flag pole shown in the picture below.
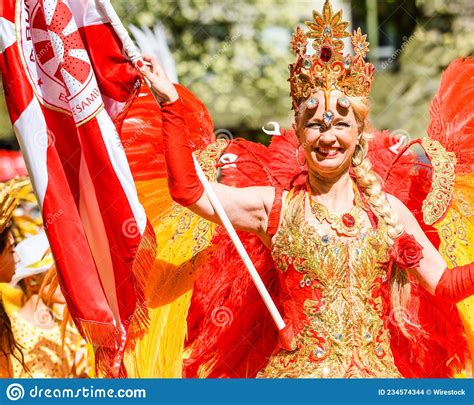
(216, 204)
(133, 53)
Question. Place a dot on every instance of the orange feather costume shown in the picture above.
(207, 319)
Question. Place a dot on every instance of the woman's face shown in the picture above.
(8, 260)
(328, 150)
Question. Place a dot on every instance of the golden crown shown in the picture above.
(328, 69)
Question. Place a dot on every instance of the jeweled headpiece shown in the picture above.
(328, 69)
(11, 193)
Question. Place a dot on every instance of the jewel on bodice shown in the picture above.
(348, 220)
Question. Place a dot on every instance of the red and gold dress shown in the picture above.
(334, 308)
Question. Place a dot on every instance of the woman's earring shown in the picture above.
(298, 157)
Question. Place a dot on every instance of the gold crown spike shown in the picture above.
(328, 69)
(11, 193)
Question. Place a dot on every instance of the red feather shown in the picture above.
(452, 113)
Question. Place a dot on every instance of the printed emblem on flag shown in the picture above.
(56, 60)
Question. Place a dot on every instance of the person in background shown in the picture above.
(36, 337)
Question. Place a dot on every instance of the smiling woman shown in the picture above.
(328, 147)
(358, 281)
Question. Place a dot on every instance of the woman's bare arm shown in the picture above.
(248, 208)
(432, 265)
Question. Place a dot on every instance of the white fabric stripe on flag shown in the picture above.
(119, 162)
(32, 134)
(7, 34)
(94, 229)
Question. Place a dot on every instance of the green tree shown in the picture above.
(233, 54)
(444, 32)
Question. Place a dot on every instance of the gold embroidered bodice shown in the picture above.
(332, 301)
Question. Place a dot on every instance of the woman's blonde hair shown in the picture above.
(371, 186)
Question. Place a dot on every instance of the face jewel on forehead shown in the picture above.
(328, 117)
(328, 68)
(312, 103)
(343, 102)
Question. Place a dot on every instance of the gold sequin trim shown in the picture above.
(441, 192)
(453, 230)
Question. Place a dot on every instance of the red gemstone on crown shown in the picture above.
(348, 220)
(326, 53)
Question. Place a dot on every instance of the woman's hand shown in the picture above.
(162, 88)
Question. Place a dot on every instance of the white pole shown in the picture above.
(216, 204)
(134, 55)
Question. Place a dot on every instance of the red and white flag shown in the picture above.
(67, 84)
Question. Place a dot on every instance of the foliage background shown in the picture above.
(234, 55)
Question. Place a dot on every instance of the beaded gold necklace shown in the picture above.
(349, 223)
